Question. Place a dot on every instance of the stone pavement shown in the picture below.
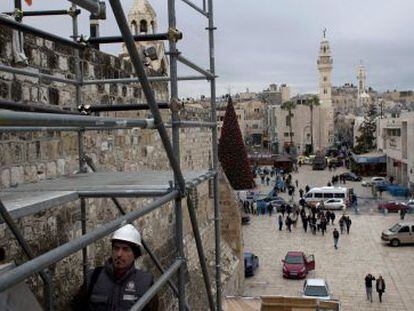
(344, 269)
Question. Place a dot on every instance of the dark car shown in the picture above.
(245, 220)
(351, 176)
(392, 206)
(251, 263)
(296, 265)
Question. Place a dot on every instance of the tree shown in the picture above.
(289, 106)
(312, 102)
(366, 141)
(232, 152)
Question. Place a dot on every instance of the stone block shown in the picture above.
(4, 89)
(17, 175)
(51, 169)
(60, 167)
(5, 178)
(30, 173)
(16, 91)
(63, 64)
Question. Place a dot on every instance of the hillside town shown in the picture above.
(121, 188)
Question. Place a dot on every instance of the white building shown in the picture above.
(395, 137)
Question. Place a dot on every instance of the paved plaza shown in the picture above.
(344, 269)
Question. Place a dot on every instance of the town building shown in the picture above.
(395, 137)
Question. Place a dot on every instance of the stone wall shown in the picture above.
(33, 157)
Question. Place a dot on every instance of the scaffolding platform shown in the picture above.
(28, 199)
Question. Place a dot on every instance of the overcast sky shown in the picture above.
(259, 42)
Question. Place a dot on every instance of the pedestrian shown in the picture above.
(288, 223)
(342, 224)
(402, 213)
(270, 209)
(305, 223)
(117, 285)
(267, 180)
(254, 208)
(280, 221)
(296, 183)
(307, 188)
(336, 238)
(348, 223)
(380, 285)
(301, 192)
(368, 285)
(283, 209)
(323, 225)
(333, 216)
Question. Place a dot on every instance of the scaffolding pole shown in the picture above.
(119, 39)
(29, 107)
(40, 76)
(136, 80)
(45, 13)
(11, 118)
(179, 235)
(217, 215)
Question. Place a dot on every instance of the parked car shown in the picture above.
(245, 220)
(296, 265)
(351, 176)
(251, 263)
(392, 206)
(316, 288)
(333, 204)
(399, 233)
(374, 181)
(277, 203)
(410, 205)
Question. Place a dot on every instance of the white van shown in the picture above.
(315, 195)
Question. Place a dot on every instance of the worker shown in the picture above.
(119, 284)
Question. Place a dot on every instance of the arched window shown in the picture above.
(134, 27)
(143, 26)
(324, 49)
(153, 30)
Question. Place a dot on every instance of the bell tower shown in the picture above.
(142, 20)
(325, 69)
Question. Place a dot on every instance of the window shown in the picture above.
(286, 134)
(328, 195)
(143, 26)
(325, 91)
(256, 109)
(134, 27)
(308, 195)
(288, 123)
(319, 195)
(405, 229)
(339, 195)
(325, 78)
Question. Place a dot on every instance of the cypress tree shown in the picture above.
(232, 152)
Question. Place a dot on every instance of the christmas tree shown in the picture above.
(232, 152)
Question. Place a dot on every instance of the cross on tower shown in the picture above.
(324, 32)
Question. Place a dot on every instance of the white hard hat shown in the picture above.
(128, 233)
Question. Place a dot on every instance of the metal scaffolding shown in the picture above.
(31, 117)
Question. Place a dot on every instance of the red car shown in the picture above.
(296, 265)
(392, 206)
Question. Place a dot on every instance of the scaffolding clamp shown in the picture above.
(73, 12)
(174, 34)
(18, 15)
(176, 105)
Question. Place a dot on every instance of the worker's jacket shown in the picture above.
(113, 294)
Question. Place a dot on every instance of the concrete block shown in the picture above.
(5, 178)
(51, 169)
(60, 167)
(17, 175)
